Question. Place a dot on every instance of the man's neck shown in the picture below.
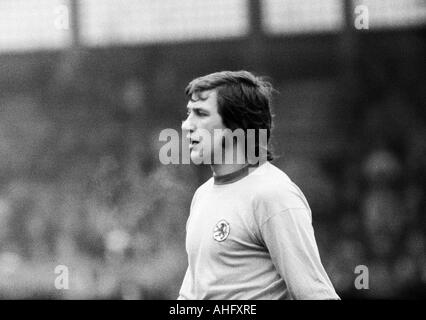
(227, 168)
(223, 169)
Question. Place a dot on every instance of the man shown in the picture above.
(249, 232)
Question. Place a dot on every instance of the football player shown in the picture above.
(249, 232)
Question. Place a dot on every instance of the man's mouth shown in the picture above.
(193, 142)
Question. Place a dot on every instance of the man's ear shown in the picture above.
(225, 134)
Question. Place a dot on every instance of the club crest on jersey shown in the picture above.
(221, 230)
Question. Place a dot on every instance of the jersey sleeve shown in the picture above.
(289, 237)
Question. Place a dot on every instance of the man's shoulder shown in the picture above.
(203, 187)
(272, 185)
(269, 178)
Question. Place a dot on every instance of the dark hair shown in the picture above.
(243, 100)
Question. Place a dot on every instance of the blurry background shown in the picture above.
(86, 86)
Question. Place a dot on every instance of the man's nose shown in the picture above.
(188, 124)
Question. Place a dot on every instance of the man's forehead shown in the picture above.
(202, 97)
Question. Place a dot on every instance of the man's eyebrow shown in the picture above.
(197, 109)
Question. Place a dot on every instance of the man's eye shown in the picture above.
(198, 113)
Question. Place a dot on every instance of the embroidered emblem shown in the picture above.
(221, 230)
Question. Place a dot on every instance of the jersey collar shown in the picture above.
(233, 176)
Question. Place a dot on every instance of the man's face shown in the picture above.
(203, 117)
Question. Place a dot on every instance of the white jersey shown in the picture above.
(253, 239)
